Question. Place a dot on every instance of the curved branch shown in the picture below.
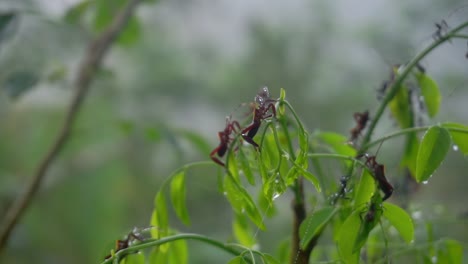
(91, 61)
(158, 242)
(401, 77)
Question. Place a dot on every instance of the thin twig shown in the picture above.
(91, 61)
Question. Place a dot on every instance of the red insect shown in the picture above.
(224, 138)
(265, 108)
(379, 175)
(123, 244)
(361, 122)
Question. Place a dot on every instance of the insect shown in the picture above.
(379, 175)
(265, 108)
(224, 138)
(387, 83)
(370, 215)
(342, 191)
(361, 122)
(125, 243)
(442, 28)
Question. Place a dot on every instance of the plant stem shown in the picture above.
(157, 242)
(399, 80)
(407, 131)
(90, 63)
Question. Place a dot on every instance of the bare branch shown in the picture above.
(91, 61)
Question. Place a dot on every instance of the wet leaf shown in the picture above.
(346, 238)
(314, 224)
(432, 150)
(450, 251)
(365, 189)
(178, 198)
(401, 220)
(431, 93)
(400, 108)
(460, 139)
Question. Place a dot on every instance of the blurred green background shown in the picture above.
(164, 91)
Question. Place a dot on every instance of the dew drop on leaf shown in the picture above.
(425, 182)
(275, 195)
(455, 148)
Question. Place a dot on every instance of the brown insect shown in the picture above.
(224, 138)
(379, 175)
(264, 109)
(125, 243)
(361, 122)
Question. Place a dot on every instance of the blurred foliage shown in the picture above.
(161, 97)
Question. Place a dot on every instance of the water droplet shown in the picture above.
(455, 147)
(275, 195)
(434, 259)
(276, 181)
(243, 210)
(425, 182)
(225, 193)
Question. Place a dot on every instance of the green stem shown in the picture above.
(460, 36)
(157, 242)
(407, 131)
(401, 77)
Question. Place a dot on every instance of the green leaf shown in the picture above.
(338, 142)
(370, 217)
(282, 108)
(283, 251)
(399, 219)
(132, 32)
(460, 139)
(232, 165)
(237, 260)
(346, 238)
(303, 141)
(273, 188)
(245, 166)
(267, 207)
(292, 175)
(178, 194)
(401, 109)
(137, 258)
(76, 12)
(314, 224)
(365, 189)
(432, 150)
(430, 92)
(19, 82)
(309, 176)
(241, 201)
(268, 259)
(450, 251)
(242, 231)
(158, 256)
(178, 252)
(106, 10)
(159, 217)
